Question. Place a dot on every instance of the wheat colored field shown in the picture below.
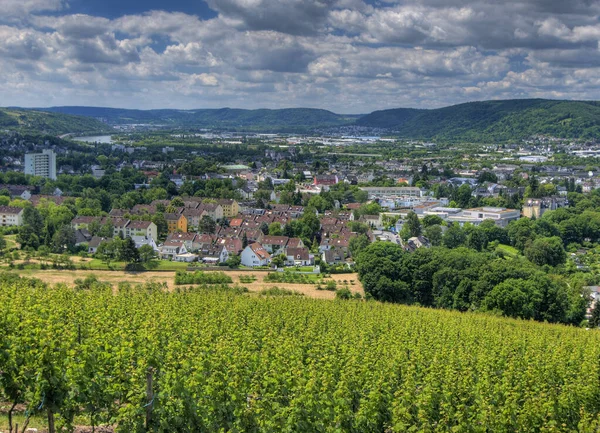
(116, 277)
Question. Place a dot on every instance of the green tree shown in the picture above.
(431, 220)
(358, 243)
(64, 240)
(147, 253)
(546, 251)
(594, 321)
(207, 225)
(434, 235)
(234, 261)
(275, 229)
(454, 236)
(413, 225)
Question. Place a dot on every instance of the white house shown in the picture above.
(255, 255)
(299, 257)
(11, 216)
(170, 249)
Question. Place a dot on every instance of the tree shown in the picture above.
(520, 233)
(278, 260)
(264, 228)
(207, 225)
(275, 229)
(546, 251)
(107, 252)
(379, 271)
(476, 239)
(431, 220)
(234, 261)
(413, 225)
(28, 237)
(161, 224)
(244, 240)
(64, 240)
(127, 251)
(177, 202)
(434, 235)
(2, 243)
(358, 243)
(33, 218)
(594, 321)
(454, 236)
(146, 253)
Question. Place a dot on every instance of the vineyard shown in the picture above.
(199, 277)
(145, 359)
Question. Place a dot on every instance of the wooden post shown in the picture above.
(149, 398)
(51, 428)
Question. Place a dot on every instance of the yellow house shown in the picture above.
(176, 223)
(230, 207)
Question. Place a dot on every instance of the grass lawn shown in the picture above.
(508, 250)
(160, 265)
(11, 241)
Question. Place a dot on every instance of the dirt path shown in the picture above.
(52, 276)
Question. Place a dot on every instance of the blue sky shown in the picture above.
(348, 56)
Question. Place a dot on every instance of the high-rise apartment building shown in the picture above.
(41, 164)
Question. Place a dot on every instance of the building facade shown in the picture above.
(41, 164)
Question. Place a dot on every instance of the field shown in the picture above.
(52, 276)
(145, 359)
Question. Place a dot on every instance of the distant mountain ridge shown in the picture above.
(26, 120)
(482, 121)
(287, 119)
(493, 120)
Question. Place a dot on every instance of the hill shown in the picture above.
(473, 121)
(212, 359)
(492, 120)
(24, 120)
(284, 120)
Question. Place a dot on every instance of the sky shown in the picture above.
(348, 56)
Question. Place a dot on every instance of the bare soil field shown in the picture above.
(52, 276)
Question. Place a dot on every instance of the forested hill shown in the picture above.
(289, 119)
(48, 123)
(474, 121)
(492, 120)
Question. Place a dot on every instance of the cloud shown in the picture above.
(297, 17)
(344, 55)
(21, 8)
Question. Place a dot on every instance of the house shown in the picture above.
(325, 179)
(194, 216)
(140, 241)
(82, 236)
(232, 245)
(190, 240)
(371, 220)
(95, 242)
(170, 249)
(274, 243)
(176, 223)
(536, 207)
(141, 228)
(334, 256)
(500, 216)
(18, 191)
(11, 216)
(414, 243)
(299, 257)
(255, 255)
(119, 225)
(230, 207)
(215, 254)
(213, 210)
